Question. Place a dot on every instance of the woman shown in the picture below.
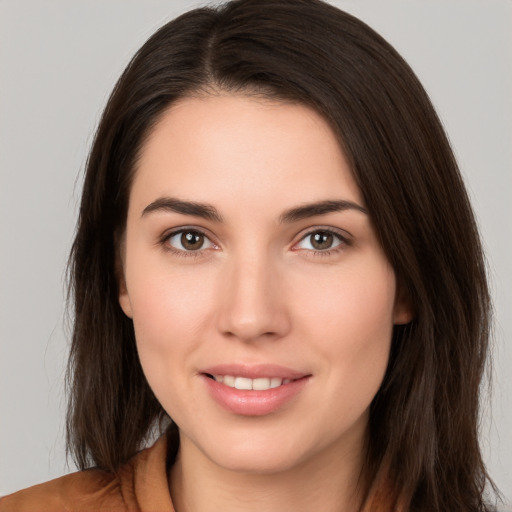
(275, 249)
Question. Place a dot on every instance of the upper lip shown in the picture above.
(254, 371)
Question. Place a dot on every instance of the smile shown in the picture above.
(258, 384)
(254, 390)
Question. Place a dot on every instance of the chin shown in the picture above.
(250, 453)
(256, 461)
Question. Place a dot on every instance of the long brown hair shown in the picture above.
(424, 419)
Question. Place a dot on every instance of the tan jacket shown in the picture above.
(141, 485)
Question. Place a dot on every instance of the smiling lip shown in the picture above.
(254, 402)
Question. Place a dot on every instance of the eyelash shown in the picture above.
(164, 241)
(344, 242)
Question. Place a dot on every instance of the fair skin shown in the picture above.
(243, 286)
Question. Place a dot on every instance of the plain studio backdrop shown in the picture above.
(59, 61)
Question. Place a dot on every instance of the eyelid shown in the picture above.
(344, 236)
(167, 235)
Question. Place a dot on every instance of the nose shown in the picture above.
(252, 303)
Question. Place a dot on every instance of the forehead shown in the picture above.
(211, 148)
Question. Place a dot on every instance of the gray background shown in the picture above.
(58, 63)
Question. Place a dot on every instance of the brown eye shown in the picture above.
(189, 241)
(321, 241)
(192, 241)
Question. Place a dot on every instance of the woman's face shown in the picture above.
(250, 262)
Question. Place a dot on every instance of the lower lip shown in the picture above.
(254, 403)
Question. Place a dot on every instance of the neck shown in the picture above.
(331, 482)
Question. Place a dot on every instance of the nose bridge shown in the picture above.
(252, 305)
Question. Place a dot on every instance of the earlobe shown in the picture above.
(124, 298)
(402, 317)
(404, 311)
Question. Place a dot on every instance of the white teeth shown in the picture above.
(229, 381)
(243, 383)
(275, 382)
(259, 384)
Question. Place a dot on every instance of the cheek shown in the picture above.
(350, 316)
(174, 310)
(356, 303)
(167, 313)
(167, 316)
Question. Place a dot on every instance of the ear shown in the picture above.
(124, 298)
(403, 312)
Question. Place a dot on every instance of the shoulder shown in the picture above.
(140, 484)
(85, 490)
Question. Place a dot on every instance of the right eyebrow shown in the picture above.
(171, 204)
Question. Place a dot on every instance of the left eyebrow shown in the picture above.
(209, 212)
(319, 208)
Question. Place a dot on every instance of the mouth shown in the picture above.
(254, 390)
(246, 383)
